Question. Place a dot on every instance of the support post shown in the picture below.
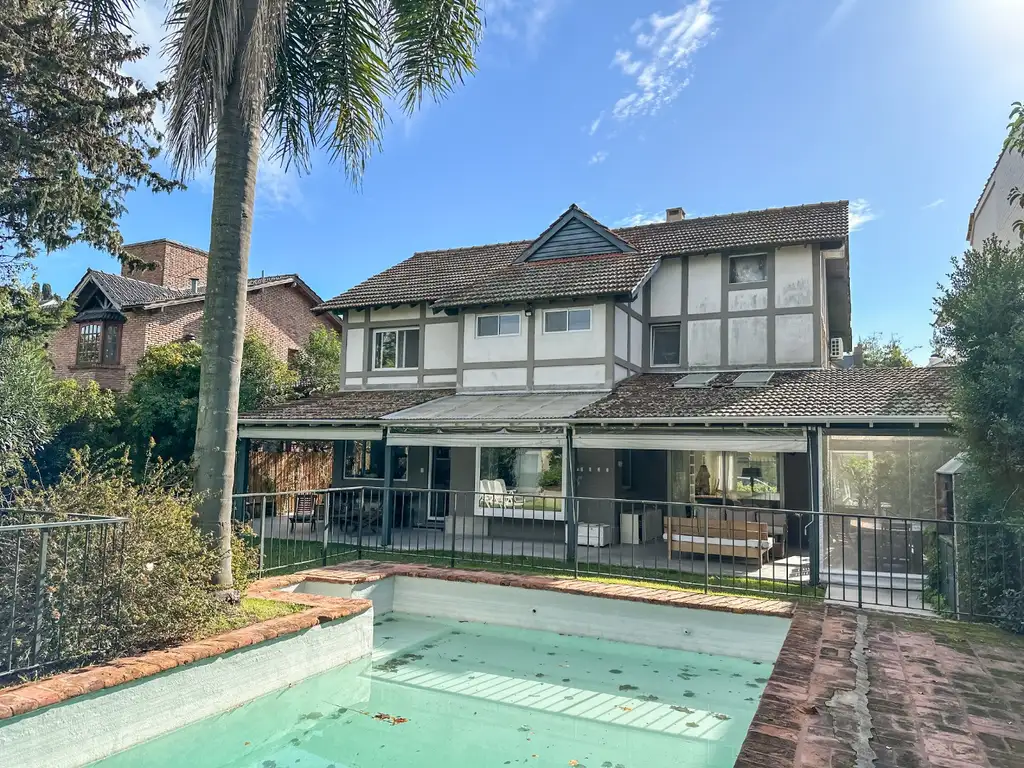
(241, 476)
(569, 503)
(389, 480)
(818, 524)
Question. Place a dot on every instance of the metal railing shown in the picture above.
(863, 560)
(59, 600)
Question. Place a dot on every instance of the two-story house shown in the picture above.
(993, 213)
(640, 372)
(118, 317)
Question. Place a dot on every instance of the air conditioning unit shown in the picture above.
(835, 348)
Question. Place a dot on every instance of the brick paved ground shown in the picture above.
(893, 692)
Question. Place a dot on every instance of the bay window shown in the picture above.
(99, 343)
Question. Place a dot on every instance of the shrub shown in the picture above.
(109, 593)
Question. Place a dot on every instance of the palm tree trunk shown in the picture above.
(234, 194)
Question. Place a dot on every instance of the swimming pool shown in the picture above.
(461, 674)
(440, 692)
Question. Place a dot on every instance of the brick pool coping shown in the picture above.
(362, 571)
(28, 697)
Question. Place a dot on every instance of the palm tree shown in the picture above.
(300, 74)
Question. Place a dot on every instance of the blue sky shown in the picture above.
(629, 108)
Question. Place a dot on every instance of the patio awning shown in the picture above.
(498, 409)
(502, 438)
(305, 432)
(784, 441)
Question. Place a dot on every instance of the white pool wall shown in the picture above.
(744, 636)
(91, 727)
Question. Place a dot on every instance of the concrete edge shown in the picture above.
(31, 696)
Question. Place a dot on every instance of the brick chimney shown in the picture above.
(674, 214)
(175, 265)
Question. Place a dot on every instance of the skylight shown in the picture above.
(753, 379)
(694, 380)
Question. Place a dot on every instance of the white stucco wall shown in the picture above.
(621, 373)
(748, 299)
(355, 382)
(354, 346)
(493, 349)
(569, 375)
(636, 340)
(441, 345)
(621, 334)
(704, 284)
(995, 216)
(355, 316)
(667, 289)
(440, 378)
(748, 340)
(794, 338)
(494, 378)
(411, 312)
(704, 342)
(571, 344)
(392, 380)
(91, 727)
(794, 276)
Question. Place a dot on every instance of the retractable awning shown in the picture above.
(302, 432)
(499, 439)
(788, 441)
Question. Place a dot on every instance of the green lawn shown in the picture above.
(252, 610)
(288, 556)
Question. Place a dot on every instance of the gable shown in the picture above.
(574, 234)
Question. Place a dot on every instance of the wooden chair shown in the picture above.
(304, 511)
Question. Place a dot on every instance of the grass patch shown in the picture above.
(252, 610)
(283, 556)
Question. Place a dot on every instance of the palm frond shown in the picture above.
(432, 47)
(102, 14)
(292, 118)
(262, 43)
(202, 45)
(352, 80)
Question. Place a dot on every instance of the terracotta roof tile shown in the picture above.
(832, 393)
(459, 275)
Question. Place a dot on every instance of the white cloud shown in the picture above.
(598, 157)
(860, 213)
(664, 47)
(839, 13)
(276, 187)
(147, 23)
(519, 19)
(933, 204)
(595, 124)
(638, 218)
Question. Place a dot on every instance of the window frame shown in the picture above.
(399, 349)
(679, 345)
(499, 315)
(567, 311)
(732, 256)
(367, 446)
(105, 328)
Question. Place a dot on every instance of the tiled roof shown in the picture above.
(452, 276)
(829, 394)
(127, 292)
(597, 275)
(353, 405)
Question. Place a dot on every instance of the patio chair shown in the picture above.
(304, 511)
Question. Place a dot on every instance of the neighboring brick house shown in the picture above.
(119, 316)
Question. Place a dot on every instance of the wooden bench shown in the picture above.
(723, 538)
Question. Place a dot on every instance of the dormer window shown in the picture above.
(193, 285)
(748, 268)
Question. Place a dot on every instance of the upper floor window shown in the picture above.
(99, 343)
(563, 320)
(665, 344)
(395, 349)
(748, 268)
(497, 325)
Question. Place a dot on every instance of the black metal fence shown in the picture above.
(59, 603)
(863, 560)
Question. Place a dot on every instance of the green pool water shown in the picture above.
(444, 693)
